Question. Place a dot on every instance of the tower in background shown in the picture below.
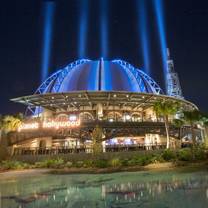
(172, 80)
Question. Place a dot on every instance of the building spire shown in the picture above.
(172, 80)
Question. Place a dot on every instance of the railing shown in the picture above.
(69, 150)
(115, 118)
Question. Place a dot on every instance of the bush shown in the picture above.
(168, 155)
(69, 164)
(200, 153)
(132, 162)
(115, 162)
(157, 159)
(185, 154)
(101, 163)
(50, 163)
(125, 162)
(13, 165)
(79, 164)
(88, 163)
(144, 159)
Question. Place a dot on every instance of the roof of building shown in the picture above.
(99, 75)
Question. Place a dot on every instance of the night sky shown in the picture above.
(21, 36)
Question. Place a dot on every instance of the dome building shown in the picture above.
(112, 95)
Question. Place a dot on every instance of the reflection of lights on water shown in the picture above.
(207, 193)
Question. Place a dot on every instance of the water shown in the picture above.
(118, 190)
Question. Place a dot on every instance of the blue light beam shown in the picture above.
(159, 12)
(49, 13)
(104, 28)
(83, 25)
(143, 33)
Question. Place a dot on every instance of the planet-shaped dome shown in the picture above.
(100, 75)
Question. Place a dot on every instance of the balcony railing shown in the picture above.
(69, 150)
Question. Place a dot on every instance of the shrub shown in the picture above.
(157, 159)
(88, 163)
(200, 153)
(69, 164)
(50, 163)
(125, 162)
(144, 159)
(115, 162)
(185, 154)
(168, 155)
(79, 164)
(14, 165)
(101, 163)
(132, 162)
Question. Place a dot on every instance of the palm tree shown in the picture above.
(8, 123)
(97, 140)
(11, 123)
(192, 118)
(206, 133)
(166, 109)
(204, 121)
(178, 123)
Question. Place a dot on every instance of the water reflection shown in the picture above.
(114, 191)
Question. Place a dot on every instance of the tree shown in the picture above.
(166, 109)
(204, 121)
(178, 123)
(192, 118)
(11, 123)
(97, 135)
(206, 133)
(7, 124)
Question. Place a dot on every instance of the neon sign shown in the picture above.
(60, 124)
(49, 124)
(26, 126)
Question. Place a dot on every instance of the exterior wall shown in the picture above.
(35, 143)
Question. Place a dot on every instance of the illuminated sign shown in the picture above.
(49, 124)
(26, 126)
(60, 124)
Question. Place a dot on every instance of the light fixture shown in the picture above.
(72, 117)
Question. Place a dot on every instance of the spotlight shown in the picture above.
(159, 12)
(104, 27)
(143, 33)
(83, 25)
(49, 13)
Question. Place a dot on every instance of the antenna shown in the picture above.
(172, 80)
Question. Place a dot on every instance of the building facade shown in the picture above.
(112, 96)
